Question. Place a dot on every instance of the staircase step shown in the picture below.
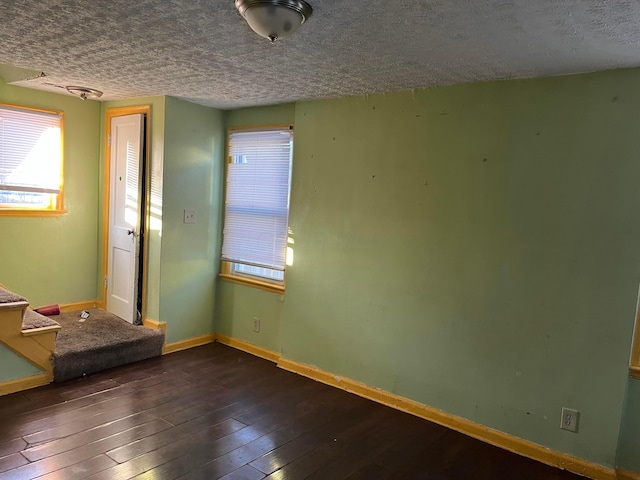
(101, 341)
(47, 339)
(9, 297)
(33, 323)
(27, 333)
(39, 331)
(11, 314)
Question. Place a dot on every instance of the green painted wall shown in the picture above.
(471, 247)
(629, 444)
(193, 160)
(14, 366)
(155, 232)
(237, 304)
(54, 259)
(474, 248)
(272, 115)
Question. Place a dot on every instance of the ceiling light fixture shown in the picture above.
(274, 19)
(84, 92)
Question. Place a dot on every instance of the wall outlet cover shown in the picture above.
(189, 216)
(570, 419)
(256, 324)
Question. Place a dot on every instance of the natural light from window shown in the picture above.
(256, 245)
(30, 158)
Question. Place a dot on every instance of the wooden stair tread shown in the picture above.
(38, 331)
(13, 305)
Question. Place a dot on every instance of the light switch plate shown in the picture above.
(189, 216)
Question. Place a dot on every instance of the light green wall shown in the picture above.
(474, 248)
(629, 445)
(194, 150)
(155, 232)
(272, 115)
(53, 259)
(237, 304)
(471, 247)
(14, 366)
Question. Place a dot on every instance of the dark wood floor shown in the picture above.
(215, 412)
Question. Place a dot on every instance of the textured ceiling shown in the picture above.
(203, 51)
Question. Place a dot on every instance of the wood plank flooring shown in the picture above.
(215, 412)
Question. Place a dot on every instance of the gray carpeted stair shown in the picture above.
(100, 342)
(33, 320)
(9, 297)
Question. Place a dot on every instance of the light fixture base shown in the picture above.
(274, 19)
(83, 92)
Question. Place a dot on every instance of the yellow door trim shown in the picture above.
(119, 112)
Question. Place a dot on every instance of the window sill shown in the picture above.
(251, 282)
(634, 372)
(30, 212)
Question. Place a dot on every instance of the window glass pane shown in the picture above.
(30, 157)
(257, 202)
(26, 199)
(268, 273)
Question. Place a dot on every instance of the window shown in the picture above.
(30, 160)
(257, 206)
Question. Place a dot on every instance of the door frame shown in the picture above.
(119, 112)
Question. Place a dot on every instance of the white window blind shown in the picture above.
(30, 151)
(257, 199)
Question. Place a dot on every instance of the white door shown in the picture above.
(127, 142)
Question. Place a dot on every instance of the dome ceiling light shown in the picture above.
(84, 92)
(274, 19)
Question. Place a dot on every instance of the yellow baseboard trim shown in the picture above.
(481, 432)
(622, 474)
(248, 347)
(189, 343)
(71, 307)
(19, 384)
(155, 324)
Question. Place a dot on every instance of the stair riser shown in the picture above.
(11, 318)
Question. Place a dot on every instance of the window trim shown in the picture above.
(257, 282)
(53, 210)
(226, 272)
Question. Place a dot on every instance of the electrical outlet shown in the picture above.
(189, 216)
(256, 324)
(569, 420)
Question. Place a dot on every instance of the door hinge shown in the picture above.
(109, 140)
(105, 281)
